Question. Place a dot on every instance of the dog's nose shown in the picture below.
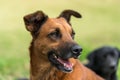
(112, 67)
(76, 50)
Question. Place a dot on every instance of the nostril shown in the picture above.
(112, 67)
(76, 49)
(81, 49)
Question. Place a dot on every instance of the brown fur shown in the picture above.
(41, 68)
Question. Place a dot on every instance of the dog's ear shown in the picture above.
(92, 57)
(68, 13)
(34, 21)
(118, 51)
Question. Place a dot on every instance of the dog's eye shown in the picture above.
(113, 55)
(105, 55)
(55, 34)
(73, 35)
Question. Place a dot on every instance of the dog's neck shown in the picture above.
(42, 70)
(109, 76)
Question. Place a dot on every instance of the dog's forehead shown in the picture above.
(53, 23)
(109, 51)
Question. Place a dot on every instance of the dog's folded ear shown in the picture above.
(34, 21)
(118, 51)
(68, 13)
(92, 57)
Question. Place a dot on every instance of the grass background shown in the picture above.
(99, 26)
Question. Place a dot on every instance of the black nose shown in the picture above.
(112, 67)
(76, 50)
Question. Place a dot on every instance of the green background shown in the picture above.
(99, 26)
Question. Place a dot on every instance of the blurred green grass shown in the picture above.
(99, 26)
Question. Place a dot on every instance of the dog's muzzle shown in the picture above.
(60, 58)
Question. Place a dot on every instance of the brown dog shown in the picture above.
(53, 51)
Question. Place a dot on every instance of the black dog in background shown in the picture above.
(104, 61)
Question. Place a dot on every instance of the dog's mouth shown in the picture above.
(62, 64)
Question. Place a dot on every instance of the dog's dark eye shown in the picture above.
(113, 55)
(73, 34)
(105, 55)
(55, 34)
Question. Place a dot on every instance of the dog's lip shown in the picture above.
(65, 62)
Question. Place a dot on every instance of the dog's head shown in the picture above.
(53, 38)
(104, 59)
